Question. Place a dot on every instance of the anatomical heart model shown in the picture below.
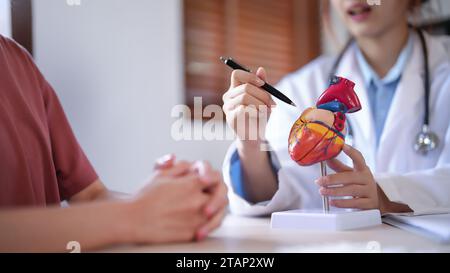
(319, 133)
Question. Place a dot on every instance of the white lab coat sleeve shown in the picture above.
(426, 191)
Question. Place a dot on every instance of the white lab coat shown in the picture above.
(421, 182)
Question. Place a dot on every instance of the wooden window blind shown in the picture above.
(21, 23)
(280, 35)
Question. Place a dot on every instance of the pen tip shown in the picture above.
(224, 59)
(293, 104)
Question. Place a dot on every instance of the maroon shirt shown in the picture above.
(41, 161)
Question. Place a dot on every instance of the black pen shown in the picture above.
(269, 88)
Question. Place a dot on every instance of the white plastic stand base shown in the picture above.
(318, 220)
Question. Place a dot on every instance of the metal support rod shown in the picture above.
(325, 201)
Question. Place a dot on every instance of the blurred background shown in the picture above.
(120, 66)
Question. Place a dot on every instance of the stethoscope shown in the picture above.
(426, 140)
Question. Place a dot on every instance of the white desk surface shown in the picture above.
(242, 234)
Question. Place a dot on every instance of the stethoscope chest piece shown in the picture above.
(426, 141)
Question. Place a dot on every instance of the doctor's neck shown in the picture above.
(382, 50)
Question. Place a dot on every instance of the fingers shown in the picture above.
(344, 178)
(261, 73)
(199, 173)
(204, 170)
(190, 223)
(349, 190)
(165, 162)
(207, 174)
(191, 181)
(205, 186)
(358, 159)
(239, 77)
(212, 180)
(355, 203)
(195, 184)
(178, 169)
(214, 185)
(247, 94)
(338, 166)
(214, 223)
(245, 99)
(199, 201)
(217, 201)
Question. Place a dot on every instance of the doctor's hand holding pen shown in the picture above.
(247, 108)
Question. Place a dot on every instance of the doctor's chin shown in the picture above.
(224, 135)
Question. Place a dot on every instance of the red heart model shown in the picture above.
(319, 133)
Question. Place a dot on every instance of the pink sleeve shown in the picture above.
(73, 169)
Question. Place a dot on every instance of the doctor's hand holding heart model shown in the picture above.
(398, 160)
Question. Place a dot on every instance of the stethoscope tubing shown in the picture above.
(427, 85)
